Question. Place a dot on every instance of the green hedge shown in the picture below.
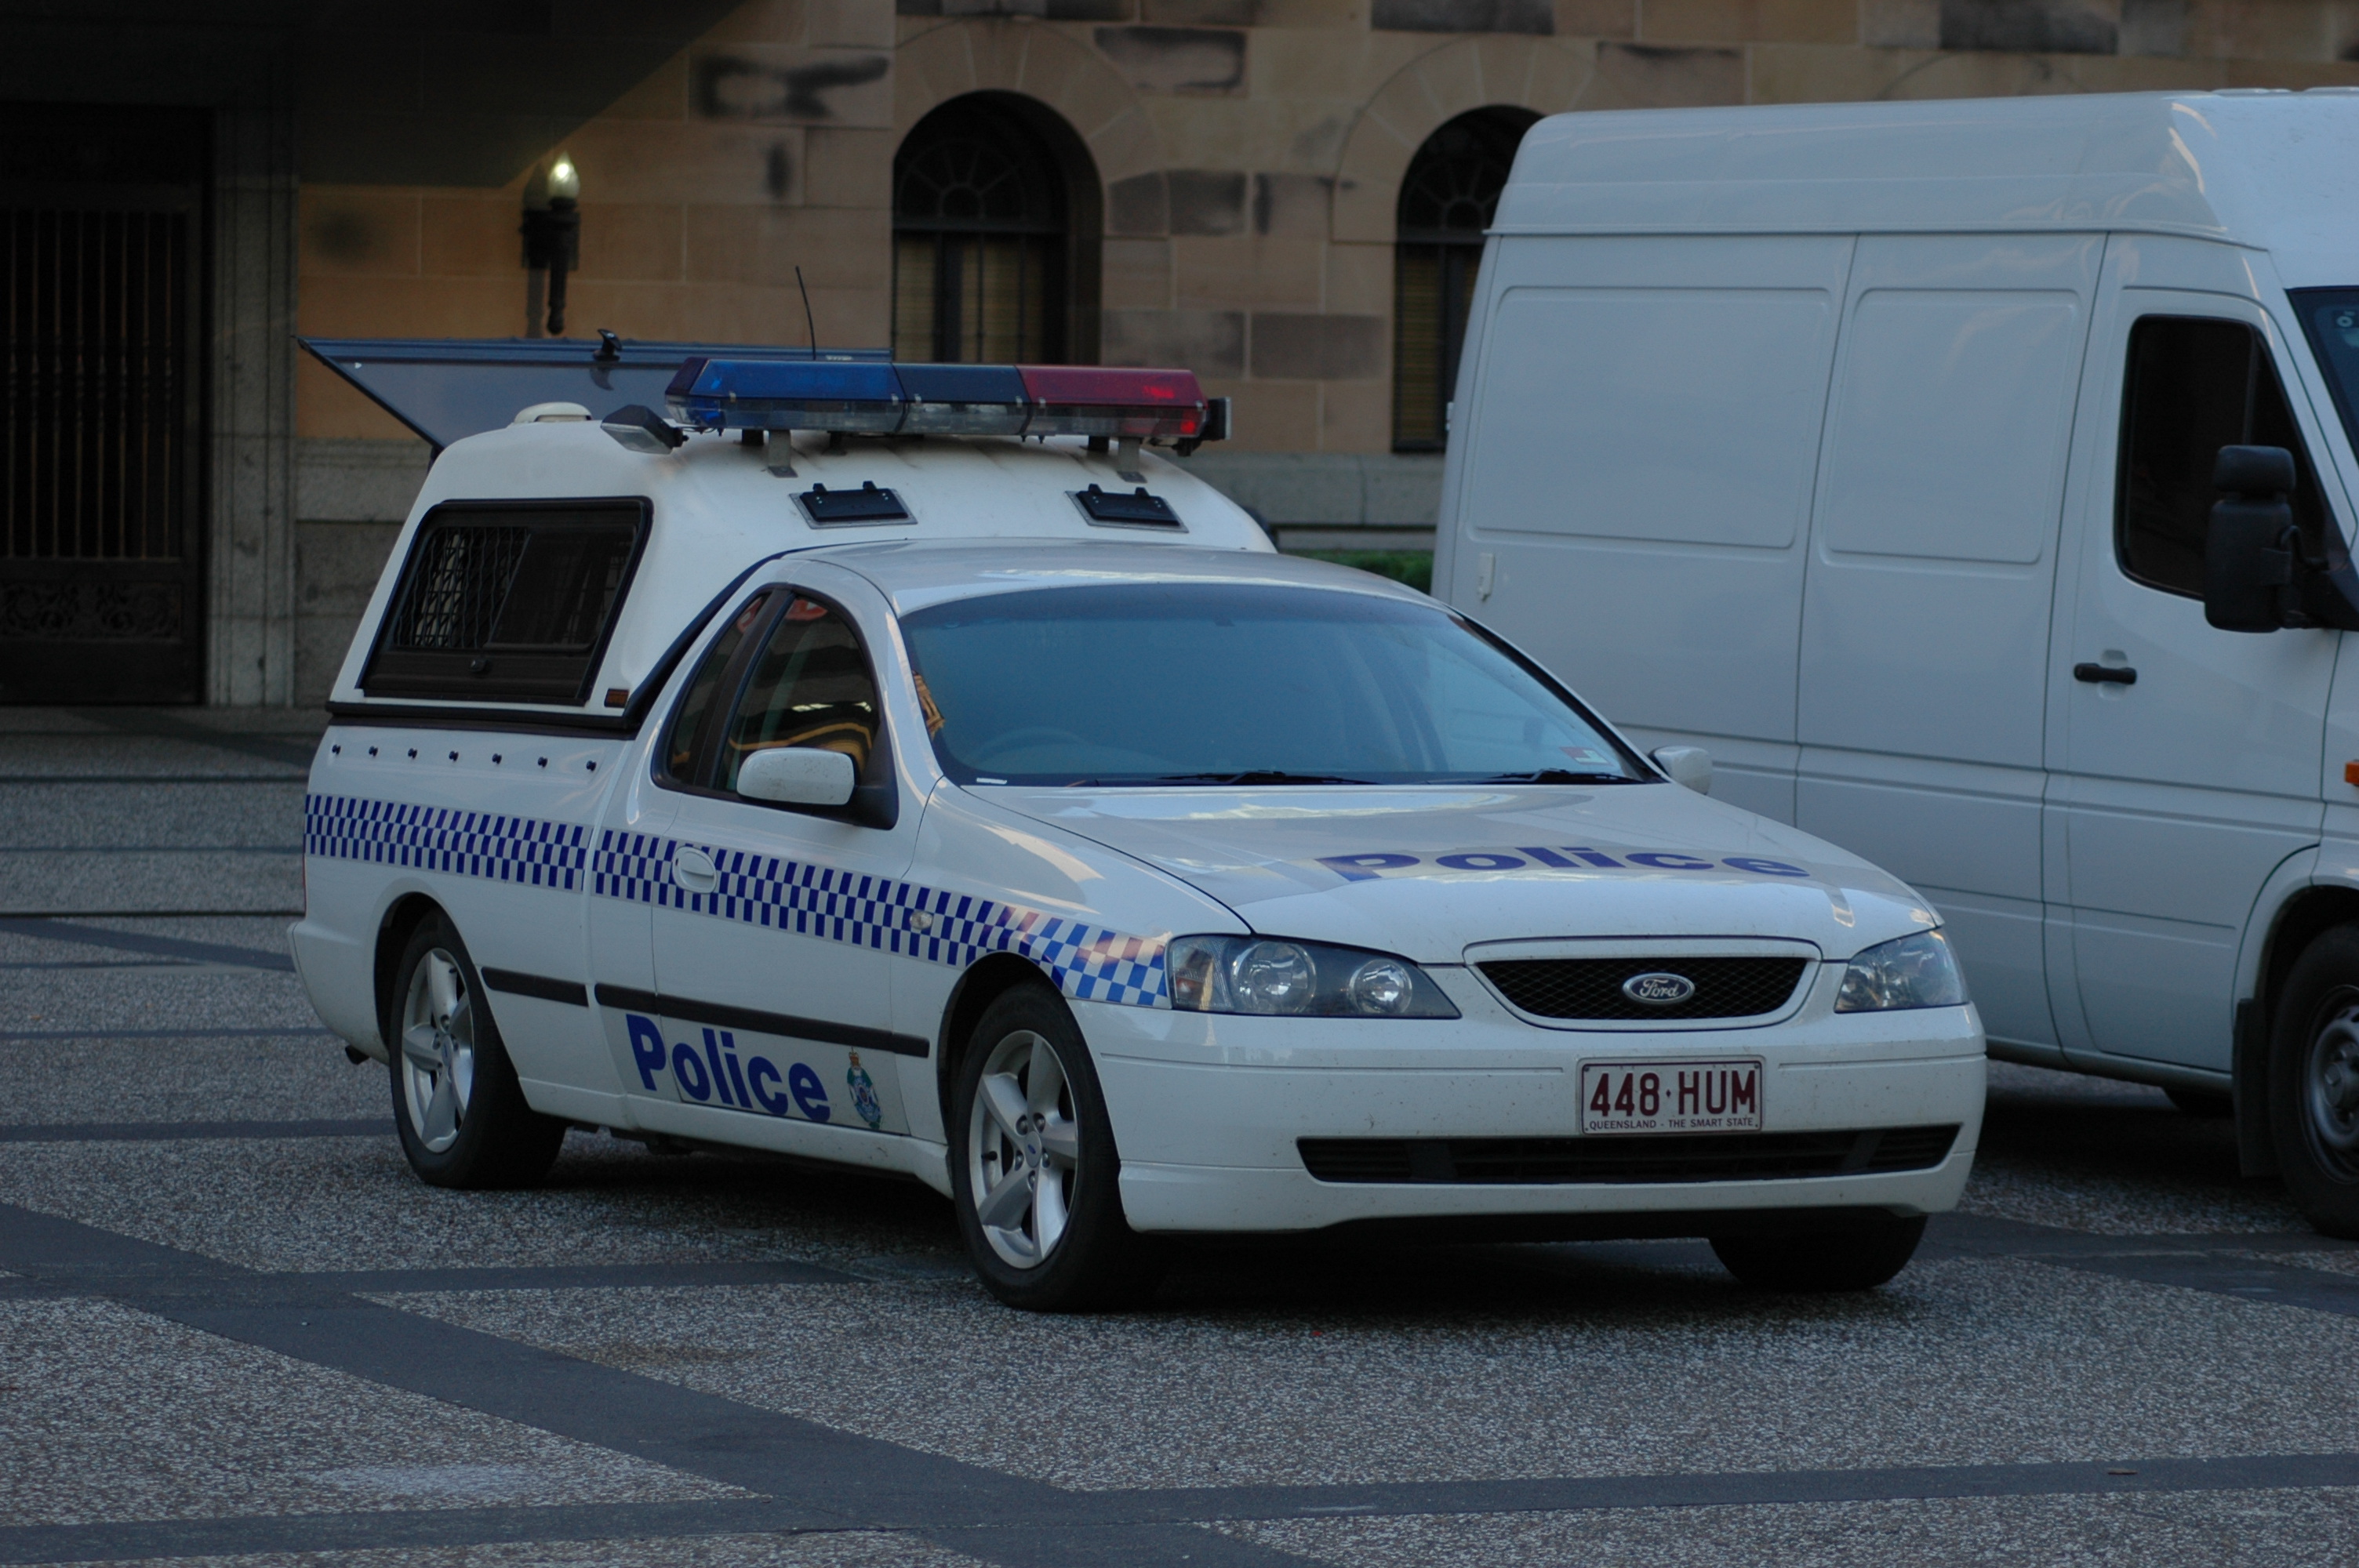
(1414, 568)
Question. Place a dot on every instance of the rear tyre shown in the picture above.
(1860, 1256)
(456, 1102)
(2314, 1082)
(2213, 1105)
(1034, 1174)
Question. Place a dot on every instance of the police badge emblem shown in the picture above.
(864, 1094)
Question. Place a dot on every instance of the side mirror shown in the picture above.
(2249, 549)
(797, 775)
(1688, 765)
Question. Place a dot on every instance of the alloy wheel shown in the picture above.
(437, 1050)
(1024, 1150)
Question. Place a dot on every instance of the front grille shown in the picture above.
(1592, 987)
(1651, 1157)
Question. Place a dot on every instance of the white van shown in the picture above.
(1872, 447)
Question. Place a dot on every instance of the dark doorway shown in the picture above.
(102, 403)
(995, 236)
(1447, 199)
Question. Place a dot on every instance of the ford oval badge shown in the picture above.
(1658, 989)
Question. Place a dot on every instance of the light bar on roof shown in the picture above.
(1091, 400)
(786, 394)
(877, 399)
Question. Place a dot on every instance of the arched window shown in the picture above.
(995, 236)
(1446, 202)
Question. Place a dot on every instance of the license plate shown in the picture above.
(1670, 1096)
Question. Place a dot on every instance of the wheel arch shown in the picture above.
(402, 917)
(989, 978)
(2300, 918)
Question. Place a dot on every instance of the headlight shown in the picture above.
(1308, 979)
(1915, 971)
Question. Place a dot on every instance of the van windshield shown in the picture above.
(2331, 319)
(1143, 684)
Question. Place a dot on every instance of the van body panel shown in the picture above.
(1925, 618)
(1611, 525)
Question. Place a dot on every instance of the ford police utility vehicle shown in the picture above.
(896, 765)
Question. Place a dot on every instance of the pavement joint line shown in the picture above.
(294, 778)
(50, 926)
(151, 849)
(823, 1476)
(191, 1131)
(293, 1031)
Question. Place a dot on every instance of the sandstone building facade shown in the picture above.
(1285, 195)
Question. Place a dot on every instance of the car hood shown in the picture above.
(1429, 871)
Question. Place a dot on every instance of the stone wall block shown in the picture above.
(1356, 417)
(1900, 24)
(1292, 205)
(631, 240)
(764, 84)
(1176, 59)
(848, 167)
(465, 235)
(1270, 416)
(1138, 205)
(762, 22)
(1598, 18)
(1649, 76)
(1360, 279)
(1206, 201)
(1249, 271)
(1750, 21)
(1209, 342)
(2029, 27)
(1136, 275)
(1557, 76)
(931, 69)
(1448, 82)
(1343, 67)
(837, 247)
(1463, 15)
(338, 481)
(850, 24)
(1308, 347)
(359, 230)
(703, 160)
(2241, 30)
(663, 96)
(1125, 145)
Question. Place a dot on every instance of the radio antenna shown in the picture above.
(808, 323)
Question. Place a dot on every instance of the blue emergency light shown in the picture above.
(878, 399)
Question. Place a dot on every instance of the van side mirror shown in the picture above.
(2248, 551)
(796, 775)
(1688, 765)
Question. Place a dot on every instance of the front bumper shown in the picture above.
(1207, 1109)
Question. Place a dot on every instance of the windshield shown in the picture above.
(1247, 684)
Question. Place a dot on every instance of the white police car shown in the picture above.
(1003, 812)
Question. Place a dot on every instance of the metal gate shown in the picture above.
(101, 272)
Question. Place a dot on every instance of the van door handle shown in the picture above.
(2104, 674)
(694, 871)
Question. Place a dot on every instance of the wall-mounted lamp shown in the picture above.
(552, 234)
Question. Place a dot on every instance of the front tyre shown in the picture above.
(456, 1102)
(1859, 1256)
(2314, 1082)
(1034, 1174)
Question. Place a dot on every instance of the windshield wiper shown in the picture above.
(1553, 777)
(1251, 776)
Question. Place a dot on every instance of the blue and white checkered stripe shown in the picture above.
(1088, 963)
(443, 839)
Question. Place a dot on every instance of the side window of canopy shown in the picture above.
(508, 601)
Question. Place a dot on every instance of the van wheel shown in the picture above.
(1034, 1174)
(456, 1103)
(2314, 1082)
(1860, 1256)
(2213, 1105)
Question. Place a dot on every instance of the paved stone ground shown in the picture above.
(233, 1329)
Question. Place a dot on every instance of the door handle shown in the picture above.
(2104, 674)
(694, 871)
